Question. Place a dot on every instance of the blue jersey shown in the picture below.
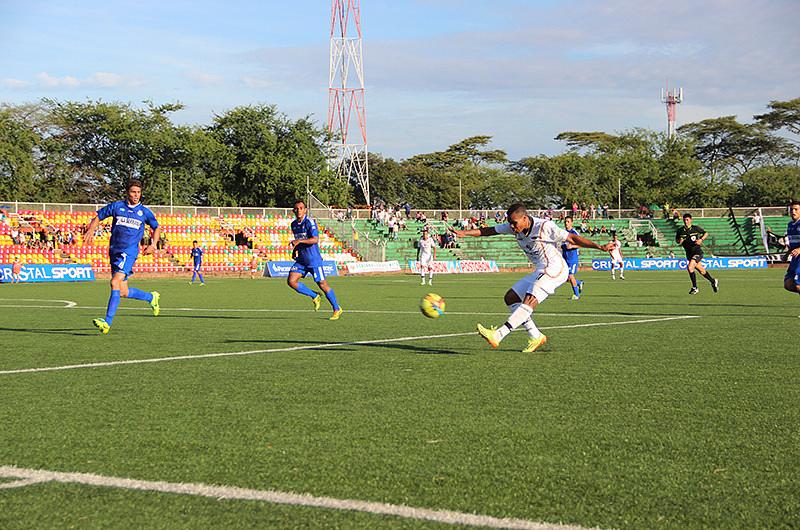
(793, 234)
(306, 228)
(570, 254)
(197, 255)
(127, 227)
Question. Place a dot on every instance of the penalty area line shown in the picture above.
(278, 497)
(311, 347)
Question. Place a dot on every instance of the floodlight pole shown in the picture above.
(671, 98)
(347, 148)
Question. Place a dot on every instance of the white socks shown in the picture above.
(520, 314)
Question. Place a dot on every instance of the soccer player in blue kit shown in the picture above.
(570, 253)
(791, 282)
(127, 229)
(197, 258)
(305, 252)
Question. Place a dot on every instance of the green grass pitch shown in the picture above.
(631, 417)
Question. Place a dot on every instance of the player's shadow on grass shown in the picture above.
(76, 332)
(214, 317)
(421, 350)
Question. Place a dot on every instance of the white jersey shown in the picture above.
(616, 253)
(426, 247)
(542, 244)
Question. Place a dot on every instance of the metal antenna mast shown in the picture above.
(347, 118)
(671, 98)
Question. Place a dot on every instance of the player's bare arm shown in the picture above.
(582, 242)
(476, 232)
(88, 236)
(151, 248)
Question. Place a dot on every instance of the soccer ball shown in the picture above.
(432, 305)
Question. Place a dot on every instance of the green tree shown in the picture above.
(268, 155)
(17, 169)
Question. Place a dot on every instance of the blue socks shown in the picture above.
(194, 275)
(137, 294)
(302, 289)
(332, 299)
(113, 303)
(575, 290)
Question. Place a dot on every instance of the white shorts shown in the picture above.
(425, 265)
(540, 284)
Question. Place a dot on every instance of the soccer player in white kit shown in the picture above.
(616, 258)
(541, 241)
(426, 254)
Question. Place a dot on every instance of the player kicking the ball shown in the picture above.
(305, 251)
(541, 242)
(127, 228)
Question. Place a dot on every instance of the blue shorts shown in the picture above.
(122, 261)
(793, 271)
(197, 266)
(573, 267)
(315, 270)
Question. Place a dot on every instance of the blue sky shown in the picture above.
(437, 71)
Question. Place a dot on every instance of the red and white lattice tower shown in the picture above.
(671, 98)
(347, 117)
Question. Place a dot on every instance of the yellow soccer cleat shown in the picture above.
(316, 301)
(154, 303)
(336, 314)
(534, 344)
(488, 334)
(102, 325)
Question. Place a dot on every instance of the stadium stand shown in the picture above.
(230, 241)
(728, 236)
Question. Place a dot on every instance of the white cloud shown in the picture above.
(50, 81)
(255, 82)
(96, 80)
(205, 79)
(13, 83)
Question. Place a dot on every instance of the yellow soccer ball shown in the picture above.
(432, 305)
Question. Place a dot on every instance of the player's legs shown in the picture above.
(200, 275)
(690, 268)
(423, 268)
(319, 277)
(791, 282)
(621, 270)
(522, 299)
(577, 285)
(699, 267)
(294, 282)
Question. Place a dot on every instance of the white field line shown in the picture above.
(68, 304)
(166, 310)
(309, 347)
(19, 483)
(280, 497)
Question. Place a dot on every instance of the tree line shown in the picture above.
(254, 155)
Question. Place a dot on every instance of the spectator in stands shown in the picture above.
(756, 219)
(584, 226)
(162, 241)
(15, 234)
(676, 215)
(407, 208)
(498, 218)
(16, 269)
(593, 210)
(603, 229)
